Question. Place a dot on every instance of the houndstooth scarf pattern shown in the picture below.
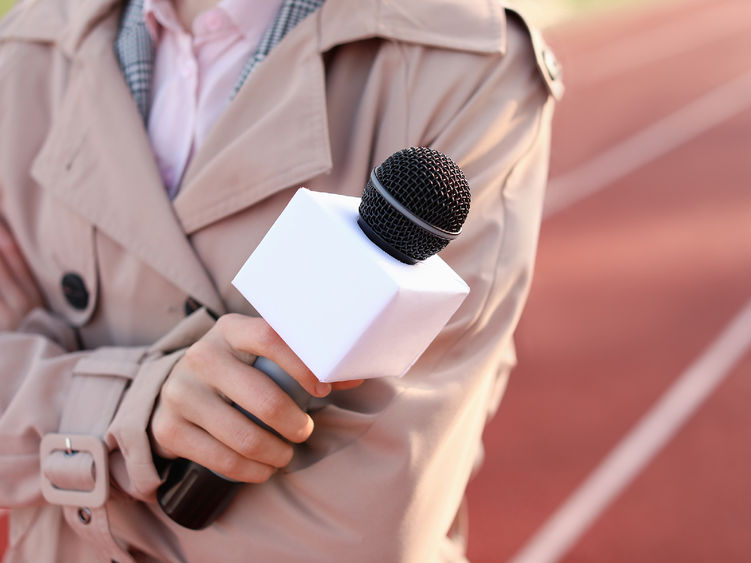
(290, 14)
(135, 52)
(135, 49)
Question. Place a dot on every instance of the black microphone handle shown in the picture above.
(194, 496)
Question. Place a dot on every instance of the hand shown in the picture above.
(19, 293)
(194, 417)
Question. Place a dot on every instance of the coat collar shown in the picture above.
(65, 23)
(98, 157)
(225, 176)
(471, 25)
(97, 160)
(234, 168)
(474, 25)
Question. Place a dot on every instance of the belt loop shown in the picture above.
(75, 469)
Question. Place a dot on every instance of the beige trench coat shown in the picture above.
(383, 476)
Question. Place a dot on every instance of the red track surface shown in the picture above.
(632, 285)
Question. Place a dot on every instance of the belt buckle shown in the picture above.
(70, 444)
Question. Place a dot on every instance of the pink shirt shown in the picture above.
(195, 74)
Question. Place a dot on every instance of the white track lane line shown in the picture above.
(693, 31)
(660, 138)
(650, 435)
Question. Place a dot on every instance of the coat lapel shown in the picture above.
(273, 135)
(98, 161)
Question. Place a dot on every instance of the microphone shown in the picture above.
(414, 204)
(385, 290)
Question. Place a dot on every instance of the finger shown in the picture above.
(194, 443)
(346, 385)
(229, 426)
(254, 335)
(254, 391)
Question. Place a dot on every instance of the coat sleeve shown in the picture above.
(41, 361)
(39, 364)
(392, 493)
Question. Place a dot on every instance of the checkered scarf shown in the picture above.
(135, 49)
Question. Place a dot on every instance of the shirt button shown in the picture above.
(192, 305)
(74, 290)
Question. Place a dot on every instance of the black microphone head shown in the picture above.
(414, 204)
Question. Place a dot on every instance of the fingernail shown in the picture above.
(323, 389)
(309, 426)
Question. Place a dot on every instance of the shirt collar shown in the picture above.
(251, 17)
(160, 14)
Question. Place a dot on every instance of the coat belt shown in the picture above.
(74, 461)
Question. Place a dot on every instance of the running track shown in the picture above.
(625, 433)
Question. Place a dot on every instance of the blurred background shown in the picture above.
(625, 433)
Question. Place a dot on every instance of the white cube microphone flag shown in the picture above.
(348, 309)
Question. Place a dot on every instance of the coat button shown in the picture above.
(191, 306)
(75, 292)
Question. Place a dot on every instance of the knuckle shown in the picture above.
(248, 444)
(266, 336)
(271, 406)
(230, 465)
(221, 322)
(261, 473)
(171, 393)
(227, 322)
(164, 429)
(235, 467)
(255, 448)
(286, 455)
(197, 355)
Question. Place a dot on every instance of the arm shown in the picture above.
(43, 361)
(193, 418)
(386, 471)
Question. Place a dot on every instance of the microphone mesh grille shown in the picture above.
(431, 186)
